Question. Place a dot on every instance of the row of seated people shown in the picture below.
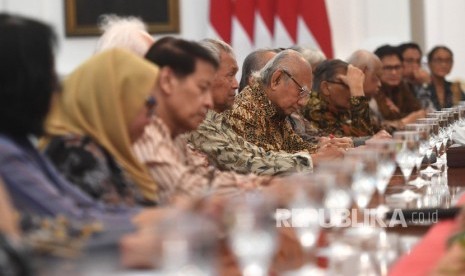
(115, 133)
(130, 137)
(398, 90)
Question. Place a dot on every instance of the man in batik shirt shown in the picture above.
(372, 67)
(413, 73)
(396, 99)
(260, 112)
(215, 137)
(230, 151)
(183, 94)
(337, 104)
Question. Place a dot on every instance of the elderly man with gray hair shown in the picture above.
(129, 33)
(260, 111)
(254, 62)
(223, 146)
(372, 67)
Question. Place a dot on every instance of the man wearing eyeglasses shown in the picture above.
(396, 100)
(338, 105)
(372, 68)
(224, 147)
(417, 77)
(260, 110)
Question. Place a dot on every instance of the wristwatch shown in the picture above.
(356, 100)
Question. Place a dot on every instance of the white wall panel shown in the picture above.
(444, 25)
(367, 24)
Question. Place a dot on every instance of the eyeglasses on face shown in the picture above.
(392, 67)
(412, 61)
(150, 104)
(303, 90)
(446, 61)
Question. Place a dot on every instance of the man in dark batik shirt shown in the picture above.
(372, 67)
(396, 99)
(260, 111)
(337, 104)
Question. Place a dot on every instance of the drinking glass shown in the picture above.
(455, 113)
(386, 166)
(187, 245)
(433, 123)
(447, 115)
(407, 151)
(461, 109)
(424, 131)
(365, 175)
(338, 199)
(308, 211)
(362, 258)
(252, 232)
(442, 137)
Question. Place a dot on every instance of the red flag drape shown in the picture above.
(267, 10)
(244, 10)
(312, 12)
(287, 11)
(221, 18)
(316, 18)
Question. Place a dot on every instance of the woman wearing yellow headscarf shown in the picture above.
(103, 109)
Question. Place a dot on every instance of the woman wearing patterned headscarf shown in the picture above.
(103, 108)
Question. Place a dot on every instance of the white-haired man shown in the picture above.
(129, 33)
(228, 150)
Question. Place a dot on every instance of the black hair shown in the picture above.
(180, 55)
(27, 74)
(440, 47)
(388, 50)
(409, 45)
(328, 70)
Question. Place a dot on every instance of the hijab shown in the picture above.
(100, 99)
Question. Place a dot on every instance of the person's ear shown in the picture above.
(365, 69)
(325, 88)
(166, 79)
(276, 79)
(250, 80)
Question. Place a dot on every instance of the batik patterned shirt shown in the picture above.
(259, 122)
(453, 95)
(355, 122)
(179, 171)
(90, 167)
(379, 123)
(402, 97)
(229, 151)
(38, 189)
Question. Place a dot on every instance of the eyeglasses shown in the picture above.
(150, 104)
(303, 90)
(392, 67)
(446, 61)
(339, 82)
(412, 61)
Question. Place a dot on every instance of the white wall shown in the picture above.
(72, 51)
(367, 24)
(444, 25)
(355, 24)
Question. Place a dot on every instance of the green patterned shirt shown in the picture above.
(229, 151)
(356, 122)
(259, 122)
